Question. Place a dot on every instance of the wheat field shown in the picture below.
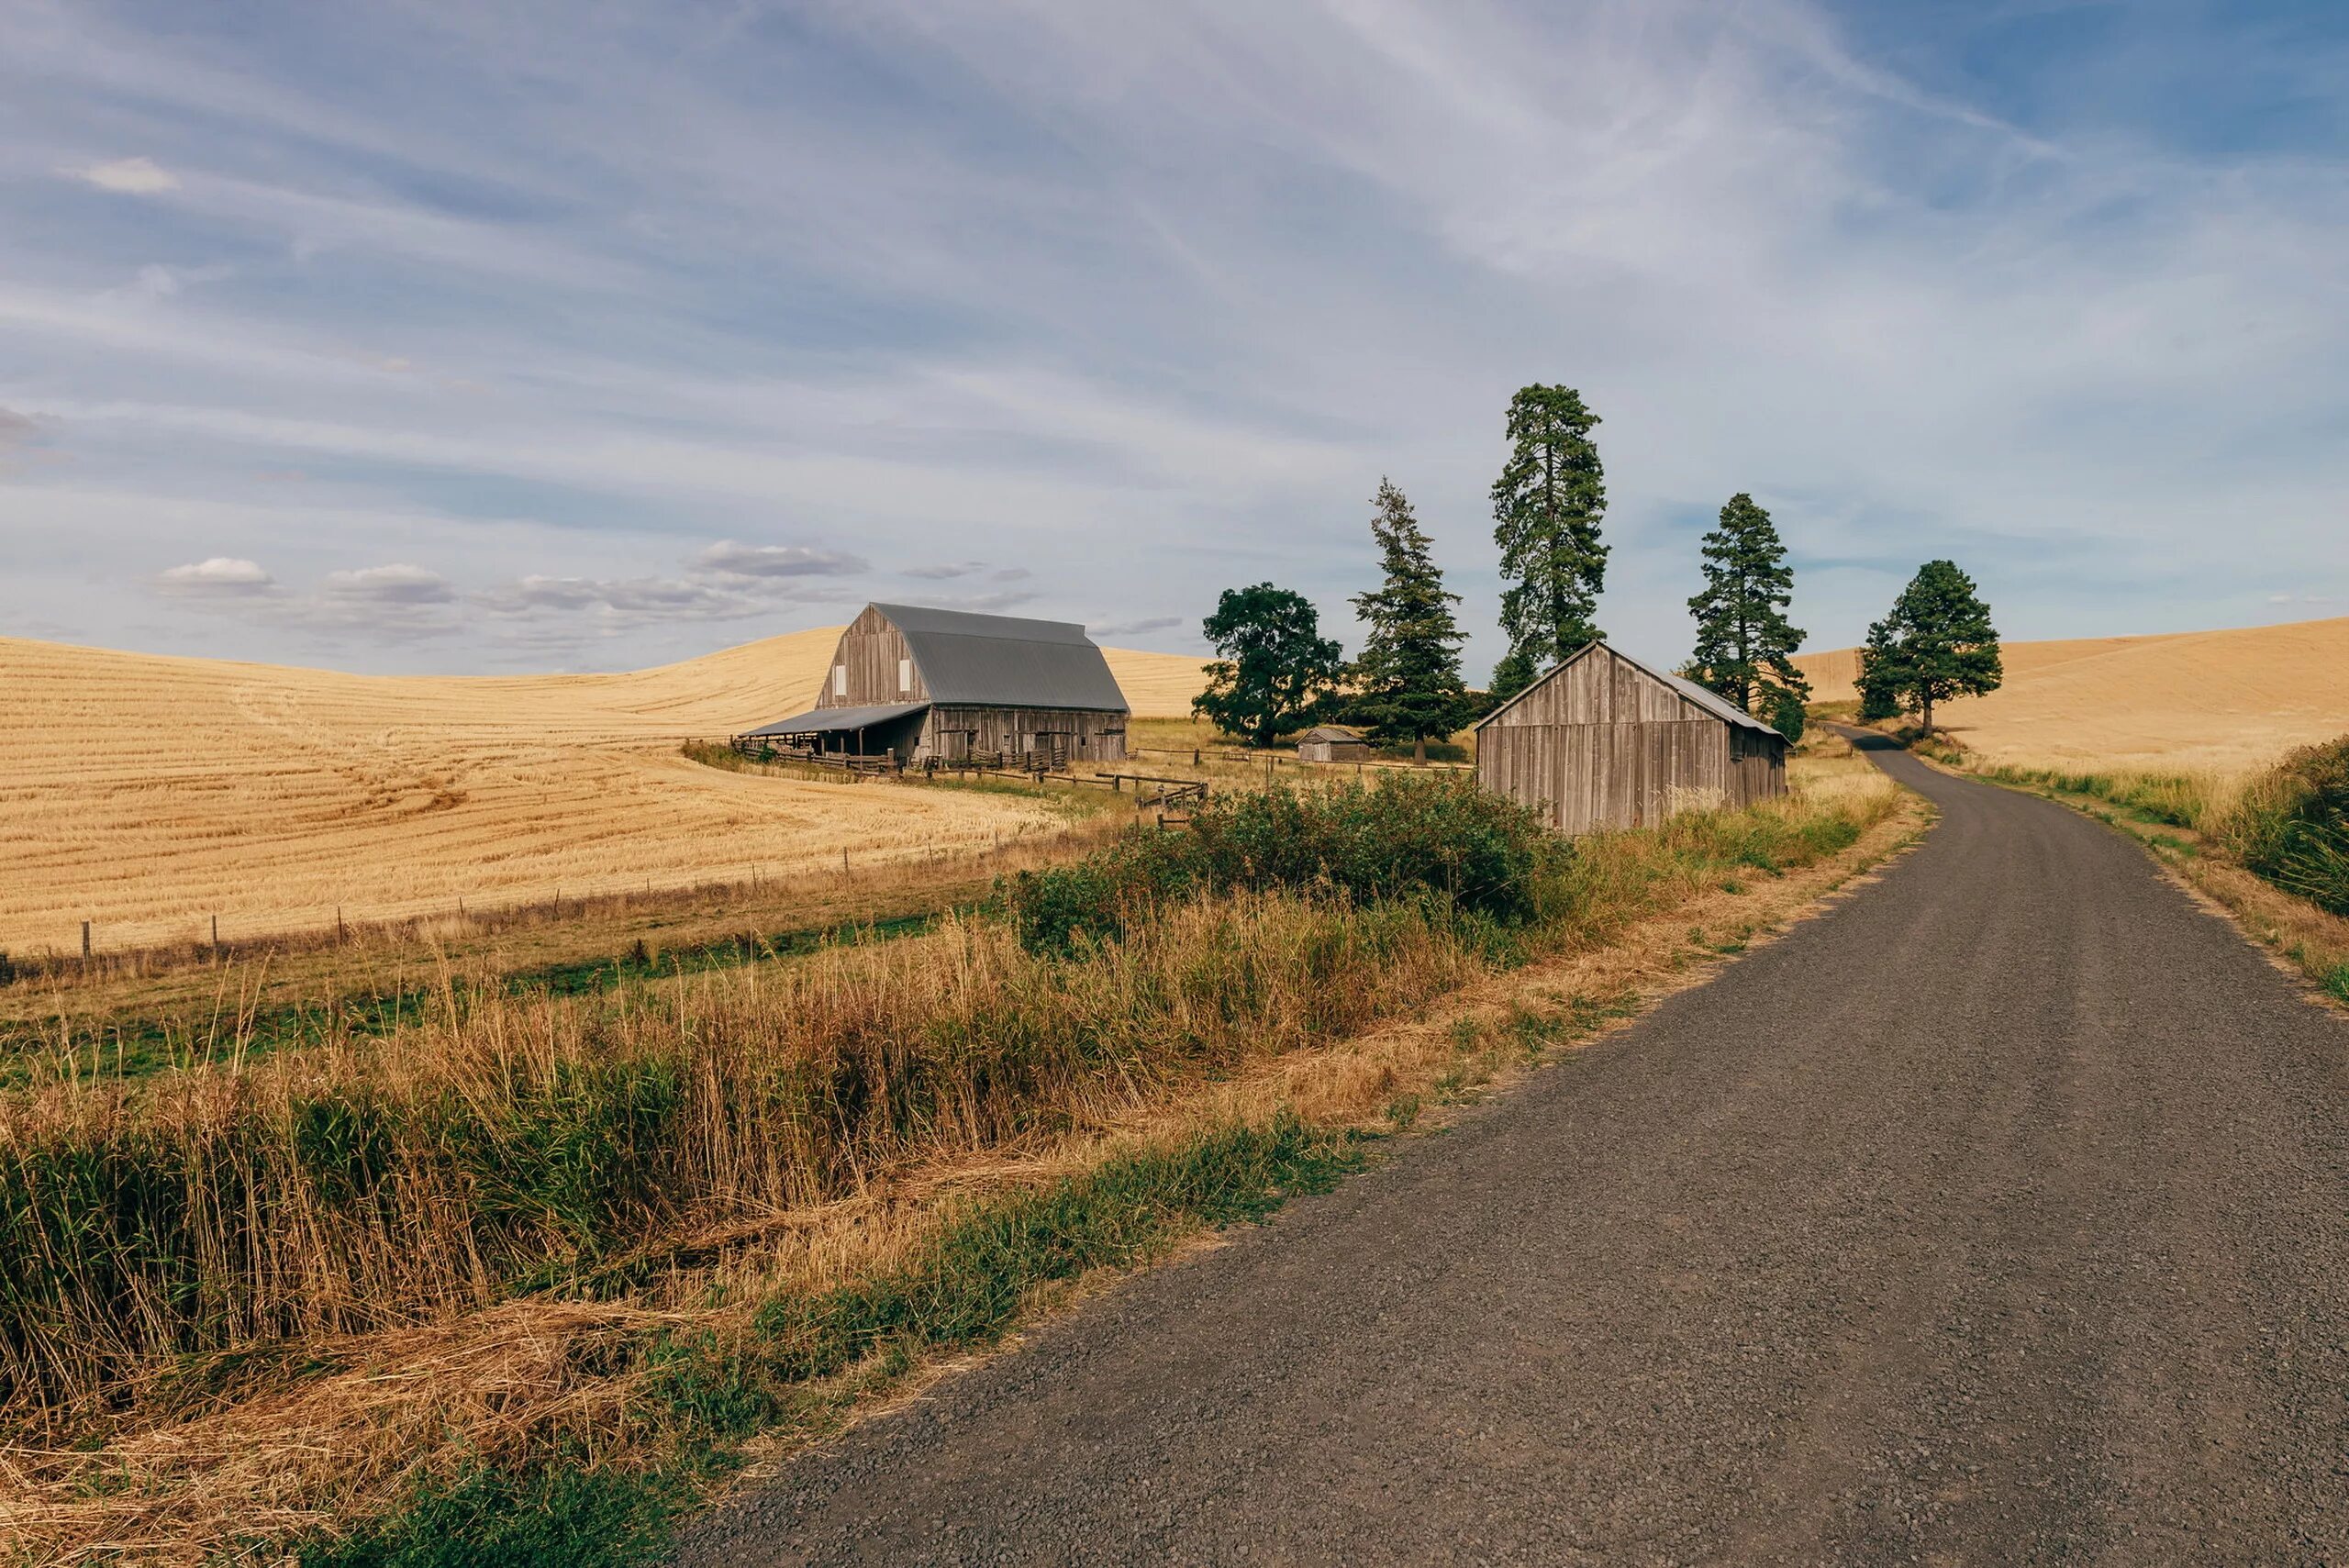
(147, 794)
(2218, 702)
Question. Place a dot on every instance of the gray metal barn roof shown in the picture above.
(1005, 661)
(833, 720)
(1332, 733)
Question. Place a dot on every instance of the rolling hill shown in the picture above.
(2224, 700)
(147, 793)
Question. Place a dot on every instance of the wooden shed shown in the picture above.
(1605, 741)
(915, 683)
(1330, 743)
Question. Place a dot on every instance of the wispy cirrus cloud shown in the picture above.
(1154, 298)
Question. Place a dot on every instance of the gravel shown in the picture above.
(2001, 1215)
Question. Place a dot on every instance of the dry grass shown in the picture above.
(332, 1423)
(149, 793)
(2216, 703)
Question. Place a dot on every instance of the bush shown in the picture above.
(2292, 826)
(1408, 836)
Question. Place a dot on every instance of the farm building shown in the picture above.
(1328, 743)
(919, 683)
(1604, 741)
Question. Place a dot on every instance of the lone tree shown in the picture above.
(1407, 683)
(1937, 643)
(1547, 506)
(1744, 642)
(1275, 664)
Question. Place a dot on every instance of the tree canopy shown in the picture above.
(1274, 667)
(1744, 642)
(1547, 506)
(1937, 643)
(1407, 683)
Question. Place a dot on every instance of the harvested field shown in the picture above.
(2218, 702)
(147, 794)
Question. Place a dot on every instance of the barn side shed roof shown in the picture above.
(1711, 701)
(835, 721)
(1005, 660)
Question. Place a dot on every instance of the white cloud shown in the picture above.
(733, 559)
(225, 575)
(132, 176)
(395, 584)
(942, 572)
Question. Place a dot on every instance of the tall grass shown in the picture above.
(509, 1145)
(2291, 825)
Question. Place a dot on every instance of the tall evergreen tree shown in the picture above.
(1937, 643)
(1744, 642)
(1547, 506)
(1275, 664)
(1407, 683)
(1876, 681)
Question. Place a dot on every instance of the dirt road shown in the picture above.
(1999, 1216)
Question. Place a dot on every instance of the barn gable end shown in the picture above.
(1604, 741)
(918, 683)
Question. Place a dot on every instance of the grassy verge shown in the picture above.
(568, 1261)
(797, 1360)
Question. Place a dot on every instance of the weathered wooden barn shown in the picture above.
(1331, 743)
(918, 683)
(1604, 741)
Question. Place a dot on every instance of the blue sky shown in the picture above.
(489, 337)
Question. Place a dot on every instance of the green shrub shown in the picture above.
(2292, 826)
(1419, 835)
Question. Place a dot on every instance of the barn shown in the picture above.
(1605, 741)
(1330, 743)
(918, 683)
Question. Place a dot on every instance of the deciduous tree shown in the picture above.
(1547, 506)
(1407, 683)
(1275, 664)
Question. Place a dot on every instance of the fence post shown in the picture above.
(216, 937)
(85, 941)
(341, 932)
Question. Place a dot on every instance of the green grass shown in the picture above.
(964, 1290)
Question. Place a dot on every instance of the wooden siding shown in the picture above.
(1335, 750)
(1068, 734)
(1602, 744)
(872, 651)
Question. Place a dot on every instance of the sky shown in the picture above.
(503, 336)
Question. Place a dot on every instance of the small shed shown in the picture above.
(1331, 743)
(1604, 740)
(915, 683)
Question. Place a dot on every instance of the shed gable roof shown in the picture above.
(1006, 660)
(1711, 701)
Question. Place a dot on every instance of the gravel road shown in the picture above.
(1998, 1215)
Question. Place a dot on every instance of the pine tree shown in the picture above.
(1878, 676)
(1744, 642)
(1937, 643)
(1547, 506)
(1407, 683)
(1275, 666)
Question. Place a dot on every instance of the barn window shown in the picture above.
(905, 674)
(840, 680)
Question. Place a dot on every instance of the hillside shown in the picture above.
(147, 793)
(2224, 700)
